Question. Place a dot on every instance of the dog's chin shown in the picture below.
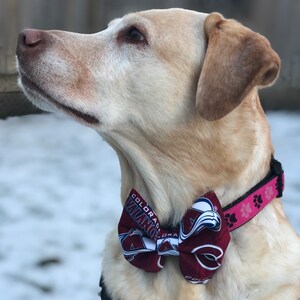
(46, 102)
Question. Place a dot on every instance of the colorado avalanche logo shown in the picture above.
(134, 242)
(208, 256)
(202, 215)
(168, 245)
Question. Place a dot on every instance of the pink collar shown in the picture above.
(245, 208)
(201, 238)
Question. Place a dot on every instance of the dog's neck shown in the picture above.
(171, 169)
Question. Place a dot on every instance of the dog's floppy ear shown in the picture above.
(236, 61)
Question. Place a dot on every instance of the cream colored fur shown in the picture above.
(182, 112)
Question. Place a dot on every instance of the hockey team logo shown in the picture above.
(167, 244)
(202, 215)
(134, 243)
(208, 256)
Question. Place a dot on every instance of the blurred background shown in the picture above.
(59, 183)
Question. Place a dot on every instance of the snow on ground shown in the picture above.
(59, 197)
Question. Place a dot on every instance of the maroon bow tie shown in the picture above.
(200, 240)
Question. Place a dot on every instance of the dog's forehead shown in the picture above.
(164, 18)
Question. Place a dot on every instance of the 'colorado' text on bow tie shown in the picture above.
(200, 240)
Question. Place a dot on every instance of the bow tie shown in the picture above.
(199, 241)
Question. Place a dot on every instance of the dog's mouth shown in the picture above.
(29, 85)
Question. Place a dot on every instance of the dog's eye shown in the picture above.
(134, 35)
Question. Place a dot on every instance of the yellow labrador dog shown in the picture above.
(175, 93)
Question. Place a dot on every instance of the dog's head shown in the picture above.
(151, 69)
